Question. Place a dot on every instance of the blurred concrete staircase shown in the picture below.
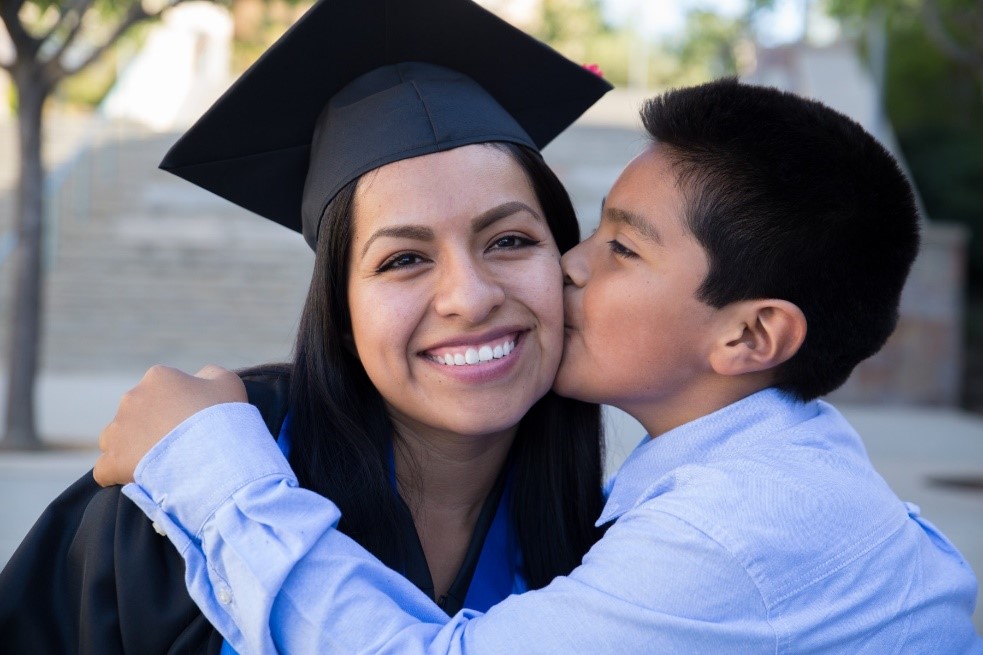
(145, 268)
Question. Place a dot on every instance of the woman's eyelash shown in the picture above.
(620, 251)
(505, 242)
(514, 241)
(402, 260)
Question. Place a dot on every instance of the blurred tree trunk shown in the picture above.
(25, 332)
(39, 45)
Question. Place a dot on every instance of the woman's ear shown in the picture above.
(758, 335)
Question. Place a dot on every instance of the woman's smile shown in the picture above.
(475, 353)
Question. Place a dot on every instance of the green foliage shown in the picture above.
(953, 27)
(262, 31)
(916, 70)
(936, 107)
(611, 51)
(707, 50)
(88, 87)
(934, 98)
(576, 28)
(947, 164)
(568, 21)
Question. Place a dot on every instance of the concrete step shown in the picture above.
(146, 268)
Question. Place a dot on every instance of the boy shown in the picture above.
(744, 264)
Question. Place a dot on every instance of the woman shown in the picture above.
(437, 230)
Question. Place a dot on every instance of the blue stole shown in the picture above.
(497, 570)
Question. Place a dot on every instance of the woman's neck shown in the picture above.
(445, 479)
(448, 473)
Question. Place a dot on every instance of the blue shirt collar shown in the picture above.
(761, 415)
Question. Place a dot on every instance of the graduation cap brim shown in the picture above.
(253, 145)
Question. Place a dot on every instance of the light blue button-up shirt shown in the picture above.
(760, 528)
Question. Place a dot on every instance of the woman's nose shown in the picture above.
(468, 290)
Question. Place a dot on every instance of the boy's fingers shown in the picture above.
(100, 471)
(230, 383)
(106, 471)
(149, 411)
(213, 372)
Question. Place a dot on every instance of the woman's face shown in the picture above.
(455, 291)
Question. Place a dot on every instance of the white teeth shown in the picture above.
(473, 356)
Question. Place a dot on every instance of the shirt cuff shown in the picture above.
(206, 459)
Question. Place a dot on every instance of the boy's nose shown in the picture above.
(574, 265)
(468, 291)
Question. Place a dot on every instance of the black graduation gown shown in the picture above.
(94, 577)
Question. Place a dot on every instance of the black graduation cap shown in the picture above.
(403, 78)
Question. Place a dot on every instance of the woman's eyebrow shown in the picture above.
(417, 232)
(479, 223)
(486, 218)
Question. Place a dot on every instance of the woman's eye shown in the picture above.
(620, 251)
(512, 242)
(402, 260)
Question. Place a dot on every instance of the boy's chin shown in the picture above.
(570, 385)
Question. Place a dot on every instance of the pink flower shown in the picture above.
(594, 68)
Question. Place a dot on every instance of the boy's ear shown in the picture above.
(758, 335)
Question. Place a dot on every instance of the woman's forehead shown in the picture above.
(464, 183)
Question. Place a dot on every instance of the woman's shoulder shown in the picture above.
(94, 575)
(268, 388)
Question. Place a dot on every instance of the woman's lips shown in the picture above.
(474, 354)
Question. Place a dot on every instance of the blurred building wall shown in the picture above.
(179, 72)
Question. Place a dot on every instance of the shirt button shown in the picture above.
(224, 596)
(159, 529)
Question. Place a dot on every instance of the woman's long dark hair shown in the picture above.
(340, 432)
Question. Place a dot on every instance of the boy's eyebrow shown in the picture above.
(634, 221)
(480, 222)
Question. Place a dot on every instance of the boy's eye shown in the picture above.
(402, 260)
(512, 242)
(620, 251)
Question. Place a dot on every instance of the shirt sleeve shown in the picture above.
(268, 568)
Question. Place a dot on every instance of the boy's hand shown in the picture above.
(160, 402)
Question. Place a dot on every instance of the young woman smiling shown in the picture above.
(402, 139)
(407, 277)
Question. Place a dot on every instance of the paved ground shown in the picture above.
(98, 345)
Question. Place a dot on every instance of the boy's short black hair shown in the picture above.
(792, 200)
